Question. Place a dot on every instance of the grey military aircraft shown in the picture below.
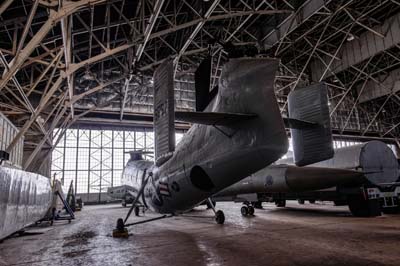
(237, 130)
(280, 179)
(362, 176)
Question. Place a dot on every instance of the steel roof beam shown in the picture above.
(66, 27)
(292, 22)
(367, 45)
(68, 8)
(197, 29)
(5, 5)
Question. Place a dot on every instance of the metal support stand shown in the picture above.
(137, 196)
(150, 220)
(121, 230)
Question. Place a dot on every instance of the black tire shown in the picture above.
(244, 211)
(280, 203)
(137, 210)
(124, 204)
(311, 201)
(220, 217)
(360, 207)
(251, 210)
(300, 201)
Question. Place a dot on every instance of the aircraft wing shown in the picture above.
(211, 118)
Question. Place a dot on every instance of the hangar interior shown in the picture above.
(97, 61)
(77, 79)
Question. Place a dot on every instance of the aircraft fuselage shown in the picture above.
(210, 158)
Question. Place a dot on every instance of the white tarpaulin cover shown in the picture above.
(24, 199)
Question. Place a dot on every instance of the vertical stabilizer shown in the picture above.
(164, 116)
(314, 144)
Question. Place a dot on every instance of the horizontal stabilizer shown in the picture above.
(299, 124)
(210, 118)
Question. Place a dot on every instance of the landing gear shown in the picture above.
(244, 210)
(300, 201)
(137, 210)
(208, 204)
(311, 201)
(219, 215)
(247, 210)
(280, 203)
(124, 203)
(251, 210)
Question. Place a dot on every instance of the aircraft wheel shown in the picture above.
(220, 217)
(244, 210)
(311, 201)
(251, 210)
(300, 201)
(124, 204)
(137, 210)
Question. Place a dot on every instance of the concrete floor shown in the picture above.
(297, 235)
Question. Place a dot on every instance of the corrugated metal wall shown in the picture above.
(7, 133)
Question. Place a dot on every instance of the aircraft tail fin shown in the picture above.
(311, 144)
(164, 112)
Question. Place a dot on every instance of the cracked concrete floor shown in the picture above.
(308, 235)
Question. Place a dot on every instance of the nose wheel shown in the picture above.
(219, 215)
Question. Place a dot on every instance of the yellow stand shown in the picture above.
(120, 233)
